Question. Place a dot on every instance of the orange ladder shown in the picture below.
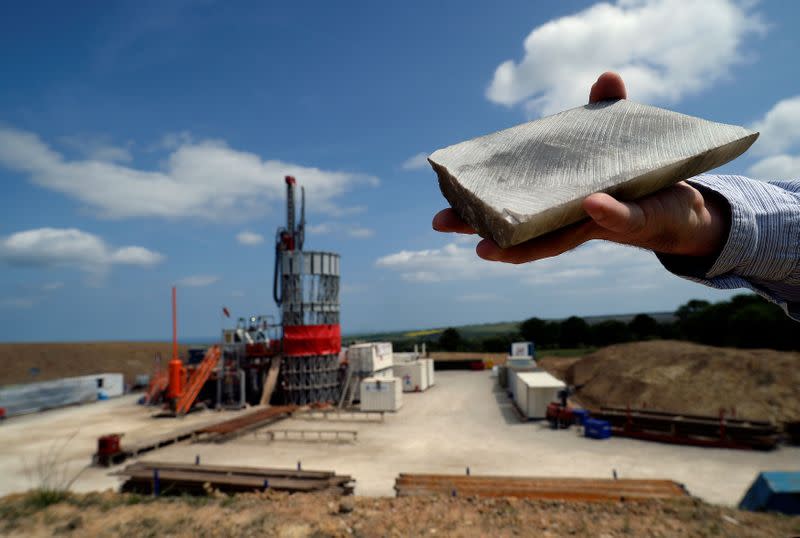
(197, 380)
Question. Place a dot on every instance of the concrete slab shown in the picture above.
(464, 420)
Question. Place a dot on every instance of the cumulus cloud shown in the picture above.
(779, 142)
(70, 247)
(594, 262)
(249, 238)
(340, 228)
(98, 148)
(198, 281)
(417, 162)
(205, 179)
(777, 167)
(663, 49)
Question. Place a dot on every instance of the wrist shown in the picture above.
(715, 225)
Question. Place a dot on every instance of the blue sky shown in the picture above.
(143, 144)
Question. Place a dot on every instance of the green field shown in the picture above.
(426, 335)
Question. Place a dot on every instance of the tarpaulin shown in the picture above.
(302, 340)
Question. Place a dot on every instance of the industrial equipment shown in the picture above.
(291, 361)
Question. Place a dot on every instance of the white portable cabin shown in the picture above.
(414, 375)
(533, 392)
(111, 385)
(381, 394)
(370, 357)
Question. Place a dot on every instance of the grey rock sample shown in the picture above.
(522, 182)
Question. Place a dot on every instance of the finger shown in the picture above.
(610, 214)
(608, 86)
(621, 218)
(546, 246)
(447, 220)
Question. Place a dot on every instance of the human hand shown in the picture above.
(676, 220)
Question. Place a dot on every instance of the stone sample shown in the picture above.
(522, 182)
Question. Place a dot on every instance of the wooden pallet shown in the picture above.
(178, 478)
(553, 488)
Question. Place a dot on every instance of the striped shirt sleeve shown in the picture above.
(762, 251)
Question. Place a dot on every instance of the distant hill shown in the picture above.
(485, 330)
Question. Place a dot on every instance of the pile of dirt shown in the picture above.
(306, 515)
(57, 360)
(681, 377)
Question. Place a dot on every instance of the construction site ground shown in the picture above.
(313, 515)
(465, 420)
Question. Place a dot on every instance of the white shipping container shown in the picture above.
(533, 392)
(414, 375)
(370, 357)
(112, 385)
(429, 363)
(381, 394)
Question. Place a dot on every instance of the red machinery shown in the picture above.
(560, 414)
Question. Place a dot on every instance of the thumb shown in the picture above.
(610, 214)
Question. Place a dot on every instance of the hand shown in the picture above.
(676, 220)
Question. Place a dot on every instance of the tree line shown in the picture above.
(745, 321)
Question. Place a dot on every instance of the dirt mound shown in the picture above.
(56, 360)
(311, 515)
(681, 377)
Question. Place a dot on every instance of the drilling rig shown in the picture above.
(293, 361)
(306, 290)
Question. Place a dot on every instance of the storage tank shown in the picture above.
(381, 394)
(534, 391)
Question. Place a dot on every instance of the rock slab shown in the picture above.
(523, 182)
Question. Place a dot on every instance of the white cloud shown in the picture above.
(351, 230)
(98, 148)
(777, 167)
(237, 293)
(417, 162)
(663, 49)
(779, 128)
(70, 247)
(249, 238)
(205, 179)
(52, 286)
(592, 263)
(360, 232)
(779, 142)
(318, 229)
(198, 281)
(451, 262)
(136, 256)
